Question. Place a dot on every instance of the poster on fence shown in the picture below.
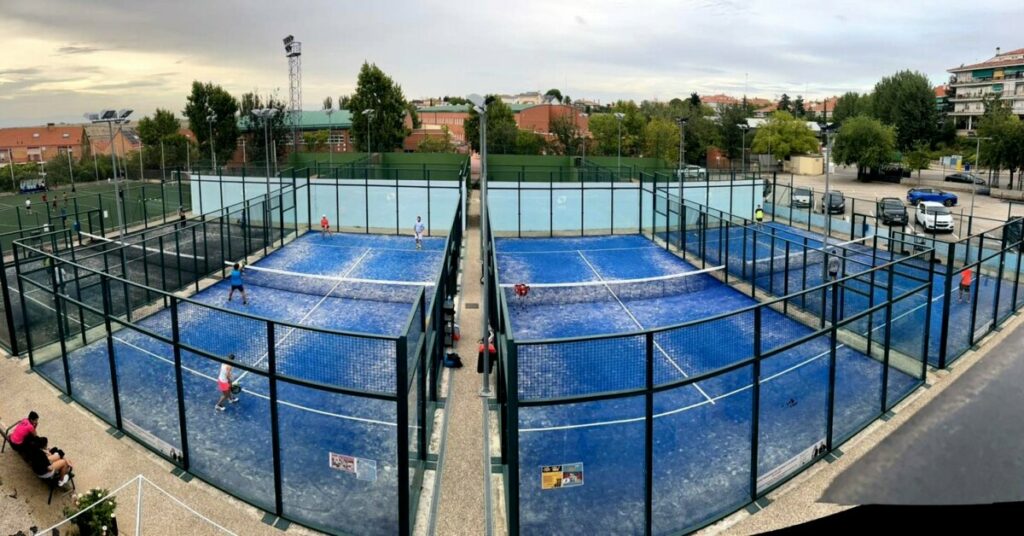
(789, 466)
(567, 475)
(363, 468)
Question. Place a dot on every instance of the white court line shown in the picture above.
(310, 312)
(573, 250)
(254, 393)
(641, 326)
(211, 378)
(312, 241)
(719, 397)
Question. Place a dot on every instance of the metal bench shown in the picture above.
(52, 482)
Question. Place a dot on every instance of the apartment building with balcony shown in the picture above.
(970, 85)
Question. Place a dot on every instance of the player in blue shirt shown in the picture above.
(236, 284)
(418, 228)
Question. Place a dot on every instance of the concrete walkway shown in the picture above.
(461, 506)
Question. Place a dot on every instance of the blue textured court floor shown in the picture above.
(702, 431)
(232, 449)
(909, 315)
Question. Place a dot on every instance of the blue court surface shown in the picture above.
(908, 315)
(702, 432)
(232, 449)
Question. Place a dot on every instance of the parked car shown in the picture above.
(889, 173)
(836, 203)
(801, 197)
(890, 211)
(692, 172)
(934, 217)
(966, 178)
(916, 195)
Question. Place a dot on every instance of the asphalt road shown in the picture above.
(965, 447)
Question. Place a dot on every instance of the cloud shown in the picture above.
(579, 20)
(77, 49)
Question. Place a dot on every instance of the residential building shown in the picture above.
(40, 144)
(719, 102)
(942, 104)
(766, 110)
(821, 110)
(126, 139)
(451, 116)
(339, 139)
(1002, 75)
(530, 97)
(535, 118)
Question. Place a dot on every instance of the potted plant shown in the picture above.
(92, 520)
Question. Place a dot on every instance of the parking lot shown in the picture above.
(988, 212)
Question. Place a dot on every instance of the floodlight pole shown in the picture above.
(163, 165)
(71, 171)
(213, 155)
(618, 170)
(681, 167)
(117, 189)
(828, 197)
(485, 388)
(330, 126)
(10, 164)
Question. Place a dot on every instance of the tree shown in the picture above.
(661, 140)
(343, 101)
(633, 123)
(454, 101)
(604, 128)
(798, 107)
(694, 99)
(377, 91)
(530, 143)
(1002, 149)
(865, 142)
(434, 144)
(730, 135)
(328, 103)
(851, 104)
(784, 104)
(783, 136)
(501, 127)
(918, 159)
(161, 128)
(276, 127)
(315, 141)
(906, 100)
(204, 99)
(413, 116)
(565, 128)
(555, 94)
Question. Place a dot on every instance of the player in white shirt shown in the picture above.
(418, 228)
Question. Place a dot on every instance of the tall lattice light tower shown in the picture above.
(293, 50)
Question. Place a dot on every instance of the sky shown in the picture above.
(62, 58)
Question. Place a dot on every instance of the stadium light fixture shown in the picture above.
(110, 117)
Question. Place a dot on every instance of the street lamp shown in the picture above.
(974, 186)
(369, 143)
(682, 155)
(827, 200)
(265, 114)
(618, 117)
(480, 105)
(583, 142)
(211, 116)
(110, 117)
(744, 127)
(71, 171)
(330, 125)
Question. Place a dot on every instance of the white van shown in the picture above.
(934, 217)
(801, 197)
(692, 172)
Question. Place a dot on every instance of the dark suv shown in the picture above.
(834, 202)
(890, 211)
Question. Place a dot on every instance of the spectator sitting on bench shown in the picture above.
(47, 464)
(24, 432)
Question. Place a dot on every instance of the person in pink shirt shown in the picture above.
(24, 430)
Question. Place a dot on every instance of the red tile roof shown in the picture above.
(1004, 59)
(719, 99)
(941, 91)
(45, 136)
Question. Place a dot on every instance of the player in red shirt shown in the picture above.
(325, 226)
